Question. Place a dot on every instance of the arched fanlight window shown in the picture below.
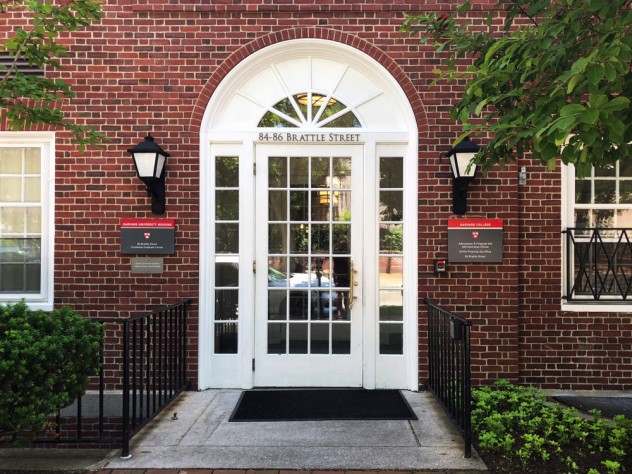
(309, 109)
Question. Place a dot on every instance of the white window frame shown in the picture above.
(46, 141)
(568, 213)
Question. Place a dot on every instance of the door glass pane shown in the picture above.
(392, 172)
(319, 339)
(298, 338)
(299, 171)
(227, 205)
(226, 338)
(341, 338)
(226, 172)
(226, 303)
(306, 286)
(277, 338)
(391, 341)
(299, 205)
(277, 172)
(227, 238)
(277, 208)
(391, 305)
(391, 274)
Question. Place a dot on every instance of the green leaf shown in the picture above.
(595, 73)
(617, 104)
(590, 116)
(571, 109)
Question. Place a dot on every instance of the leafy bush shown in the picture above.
(517, 426)
(45, 363)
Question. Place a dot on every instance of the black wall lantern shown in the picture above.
(462, 172)
(149, 160)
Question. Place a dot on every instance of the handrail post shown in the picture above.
(125, 454)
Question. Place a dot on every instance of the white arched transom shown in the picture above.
(323, 72)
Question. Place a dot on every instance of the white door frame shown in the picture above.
(230, 127)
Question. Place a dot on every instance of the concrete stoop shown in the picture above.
(201, 440)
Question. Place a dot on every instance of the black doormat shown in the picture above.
(321, 404)
(608, 406)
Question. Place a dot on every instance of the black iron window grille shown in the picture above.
(598, 264)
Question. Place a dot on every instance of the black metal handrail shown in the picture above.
(150, 360)
(449, 367)
(598, 264)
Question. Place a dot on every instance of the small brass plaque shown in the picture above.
(148, 265)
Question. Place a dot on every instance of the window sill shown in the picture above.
(601, 307)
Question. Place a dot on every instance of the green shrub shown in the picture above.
(45, 362)
(521, 426)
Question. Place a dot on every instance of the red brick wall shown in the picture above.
(152, 66)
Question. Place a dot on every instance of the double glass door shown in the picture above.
(309, 240)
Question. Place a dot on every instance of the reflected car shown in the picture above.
(227, 275)
(321, 307)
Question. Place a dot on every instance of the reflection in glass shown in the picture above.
(341, 338)
(341, 172)
(299, 205)
(298, 338)
(391, 339)
(583, 191)
(391, 205)
(226, 271)
(226, 172)
(299, 305)
(33, 278)
(227, 238)
(277, 305)
(277, 271)
(298, 265)
(277, 172)
(277, 338)
(391, 272)
(320, 172)
(341, 238)
(277, 208)
(348, 120)
(605, 192)
(606, 170)
(320, 238)
(277, 239)
(226, 338)
(625, 168)
(299, 172)
(299, 238)
(391, 238)
(582, 218)
(392, 172)
(226, 205)
(603, 217)
(319, 338)
(226, 304)
(391, 305)
(342, 207)
(625, 192)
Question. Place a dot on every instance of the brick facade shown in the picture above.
(152, 66)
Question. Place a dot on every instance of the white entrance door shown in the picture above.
(308, 290)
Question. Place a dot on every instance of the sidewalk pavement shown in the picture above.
(203, 441)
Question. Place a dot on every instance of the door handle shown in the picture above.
(354, 283)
